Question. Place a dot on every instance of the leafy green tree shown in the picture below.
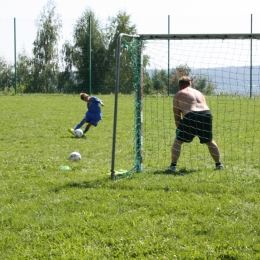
(103, 55)
(147, 83)
(6, 74)
(45, 50)
(67, 79)
(179, 71)
(76, 55)
(119, 24)
(204, 85)
(160, 80)
(24, 71)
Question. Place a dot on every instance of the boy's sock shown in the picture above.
(86, 129)
(174, 164)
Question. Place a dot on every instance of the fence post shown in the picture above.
(15, 72)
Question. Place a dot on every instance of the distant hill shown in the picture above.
(232, 79)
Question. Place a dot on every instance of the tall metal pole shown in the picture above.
(168, 56)
(15, 72)
(90, 72)
(251, 55)
(116, 105)
(139, 113)
(251, 59)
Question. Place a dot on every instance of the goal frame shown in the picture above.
(138, 113)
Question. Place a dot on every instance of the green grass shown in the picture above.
(47, 213)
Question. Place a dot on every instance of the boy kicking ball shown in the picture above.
(93, 115)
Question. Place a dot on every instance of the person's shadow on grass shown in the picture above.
(180, 172)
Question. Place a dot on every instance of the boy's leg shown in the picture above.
(77, 126)
(80, 124)
(91, 121)
(87, 128)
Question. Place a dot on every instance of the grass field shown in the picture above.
(47, 213)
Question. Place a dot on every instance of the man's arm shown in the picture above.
(176, 111)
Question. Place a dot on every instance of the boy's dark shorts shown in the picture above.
(195, 124)
(93, 119)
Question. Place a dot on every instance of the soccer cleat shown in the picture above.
(172, 168)
(219, 167)
(71, 131)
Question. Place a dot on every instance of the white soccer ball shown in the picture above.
(75, 156)
(78, 133)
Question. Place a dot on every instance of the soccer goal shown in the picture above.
(226, 68)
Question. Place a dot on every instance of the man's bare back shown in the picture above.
(189, 99)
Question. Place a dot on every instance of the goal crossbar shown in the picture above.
(197, 36)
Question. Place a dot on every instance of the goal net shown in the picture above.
(225, 68)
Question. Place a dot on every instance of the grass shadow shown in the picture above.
(181, 172)
(73, 137)
(69, 137)
(79, 185)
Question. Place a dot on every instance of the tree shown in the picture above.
(147, 81)
(45, 50)
(6, 74)
(103, 54)
(119, 24)
(76, 55)
(67, 79)
(160, 79)
(24, 72)
(204, 85)
(179, 71)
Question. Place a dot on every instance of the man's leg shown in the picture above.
(214, 151)
(215, 154)
(176, 151)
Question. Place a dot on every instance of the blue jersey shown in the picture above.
(94, 107)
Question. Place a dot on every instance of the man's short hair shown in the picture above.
(185, 81)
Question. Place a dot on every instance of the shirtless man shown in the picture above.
(196, 120)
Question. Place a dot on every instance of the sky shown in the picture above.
(150, 17)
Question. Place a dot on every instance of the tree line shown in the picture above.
(48, 71)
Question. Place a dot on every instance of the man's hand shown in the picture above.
(177, 131)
